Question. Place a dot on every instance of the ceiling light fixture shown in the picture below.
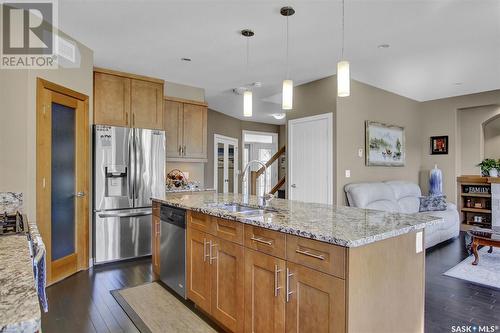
(287, 93)
(383, 46)
(247, 95)
(185, 59)
(343, 72)
(279, 116)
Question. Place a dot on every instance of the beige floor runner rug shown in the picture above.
(153, 309)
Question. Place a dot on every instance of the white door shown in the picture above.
(225, 164)
(310, 159)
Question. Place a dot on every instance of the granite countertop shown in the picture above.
(344, 226)
(183, 190)
(19, 306)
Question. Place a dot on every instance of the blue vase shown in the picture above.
(436, 181)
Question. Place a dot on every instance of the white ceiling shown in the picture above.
(433, 44)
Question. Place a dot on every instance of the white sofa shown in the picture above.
(403, 197)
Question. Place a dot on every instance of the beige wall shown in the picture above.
(182, 91)
(471, 123)
(369, 103)
(440, 117)
(219, 123)
(492, 139)
(18, 119)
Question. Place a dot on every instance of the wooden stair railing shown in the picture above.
(255, 174)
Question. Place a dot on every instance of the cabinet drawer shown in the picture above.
(264, 240)
(156, 208)
(200, 221)
(228, 230)
(323, 257)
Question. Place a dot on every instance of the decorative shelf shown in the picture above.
(476, 210)
(477, 195)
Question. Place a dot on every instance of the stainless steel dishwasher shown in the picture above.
(173, 248)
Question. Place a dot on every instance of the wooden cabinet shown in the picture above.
(186, 125)
(172, 117)
(316, 301)
(111, 99)
(264, 293)
(155, 240)
(198, 271)
(127, 100)
(155, 246)
(146, 104)
(194, 135)
(227, 266)
(215, 276)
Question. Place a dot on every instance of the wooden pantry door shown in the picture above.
(62, 175)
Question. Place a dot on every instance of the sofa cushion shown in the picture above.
(372, 196)
(407, 195)
(433, 203)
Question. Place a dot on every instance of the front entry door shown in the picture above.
(62, 178)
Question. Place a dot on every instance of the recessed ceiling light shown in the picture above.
(185, 59)
(458, 83)
(279, 116)
(384, 46)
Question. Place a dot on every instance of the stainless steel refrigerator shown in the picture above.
(129, 169)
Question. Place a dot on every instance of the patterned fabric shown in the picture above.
(432, 203)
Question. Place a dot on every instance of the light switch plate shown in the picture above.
(419, 242)
(360, 152)
(348, 174)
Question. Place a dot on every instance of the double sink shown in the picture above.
(246, 210)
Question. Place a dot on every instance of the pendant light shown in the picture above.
(247, 95)
(343, 75)
(287, 93)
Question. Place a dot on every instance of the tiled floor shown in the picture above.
(82, 303)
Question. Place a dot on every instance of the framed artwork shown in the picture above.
(385, 144)
(439, 145)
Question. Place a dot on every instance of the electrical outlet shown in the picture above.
(348, 174)
(360, 152)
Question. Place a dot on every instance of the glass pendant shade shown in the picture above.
(287, 102)
(343, 79)
(247, 103)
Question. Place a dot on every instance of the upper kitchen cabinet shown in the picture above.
(127, 100)
(185, 122)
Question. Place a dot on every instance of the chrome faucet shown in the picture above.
(265, 197)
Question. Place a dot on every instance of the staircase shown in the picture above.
(255, 174)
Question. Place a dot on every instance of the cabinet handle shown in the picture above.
(277, 270)
(126, 118)
(205, 255)
(184, 150)
(288, 291)
(180, 150)
(310, 254)
(261, 240)
(210, 254)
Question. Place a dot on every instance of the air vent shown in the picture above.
(66, 49)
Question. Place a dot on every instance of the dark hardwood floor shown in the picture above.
(82, 303)
(451, 302)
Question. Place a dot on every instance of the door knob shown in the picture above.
(80, 194)
(293, 186)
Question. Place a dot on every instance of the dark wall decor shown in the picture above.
(439, 145)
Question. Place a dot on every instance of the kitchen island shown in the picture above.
(302, 267)
(19, 307)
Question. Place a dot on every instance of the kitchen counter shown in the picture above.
(19, 306)
(185, 190)
(344, 226)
